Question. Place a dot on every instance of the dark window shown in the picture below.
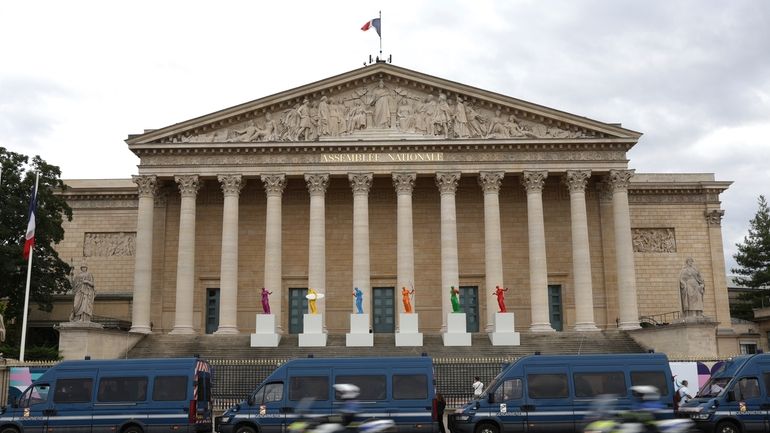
(766, 378)
(655, 378)
(410, 386)
(170, 388)
(747, 388)
(73, 390)
(269, 393)
(315, 387)
(34, 395)
(203, 388)
(508, 390)
(551, 385)
(113, 389)
(595, 384)
(372, 387)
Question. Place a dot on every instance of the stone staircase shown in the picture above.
(238, 346)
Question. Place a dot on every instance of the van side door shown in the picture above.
(597, 389)
(548, 401)
(270, 406)
(747, 404)
(411, 404)
(309, 384)
(72, 409)
(506, 403)
(119, 397)
(372, 383)
(34, 406)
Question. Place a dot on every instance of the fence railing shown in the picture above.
(662, 319)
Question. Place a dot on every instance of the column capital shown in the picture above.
(232, 184)
(147, 185)
(534, 181)
(576, 180)
(188, 184)
(714, 217)
(619, 179)
(317, 183)
(447, 181)
(274, 183)
(491, 181)
(404, 182)
(360, 182)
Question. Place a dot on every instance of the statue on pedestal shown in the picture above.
(83, 288)
(454, 297)
(500, 293)
(312, 296)
(359, 295)
(266, 300)
(407, 299)
(691, 288)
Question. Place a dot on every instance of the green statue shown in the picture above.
(454, 293)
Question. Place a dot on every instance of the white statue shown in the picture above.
(691, 288)
(83, 288)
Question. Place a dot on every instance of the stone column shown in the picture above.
(185, 265)
(274, 186)
(721, 301)
(316, 272)
(404, 184)
(534, 181)
(228, 279)
(361, 183)
(140, 313)
(447, 184)
(576, 181)
(624, 249)
(493, 252)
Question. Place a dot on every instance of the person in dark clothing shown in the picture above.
(440, 407)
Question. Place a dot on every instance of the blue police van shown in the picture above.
(400, 389)
(115, 396)
(736, 399)
(556, 393)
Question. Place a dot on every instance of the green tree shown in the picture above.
(49, 272)
(753, 258)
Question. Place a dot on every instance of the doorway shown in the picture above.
(555, 307)
(297, 309)
(469, 299)
(383, 310)
(212, 310)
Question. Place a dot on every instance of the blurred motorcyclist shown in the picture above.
(348, 394)
(646, 401)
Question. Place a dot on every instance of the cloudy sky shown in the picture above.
(77, 77)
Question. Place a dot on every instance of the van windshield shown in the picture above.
(714, 387)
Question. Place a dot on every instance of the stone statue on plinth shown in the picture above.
(83, 288)
(691, 288)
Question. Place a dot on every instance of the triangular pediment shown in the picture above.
(383, 102)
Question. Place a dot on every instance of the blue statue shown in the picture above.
(359, 300)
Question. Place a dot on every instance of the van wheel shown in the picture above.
(9, 430)
(727, 427)
(487, 427)
(245, 429)
(133, 429)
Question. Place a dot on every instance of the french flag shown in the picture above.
(373, 23)
(29, 243)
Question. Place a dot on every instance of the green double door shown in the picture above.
(383, 309)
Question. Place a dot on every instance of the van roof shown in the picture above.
(613, 357)
(137, 363)
(341, 362)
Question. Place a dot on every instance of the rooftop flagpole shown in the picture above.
(29, 275)
(380, 34)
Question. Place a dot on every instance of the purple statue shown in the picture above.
(266, 300)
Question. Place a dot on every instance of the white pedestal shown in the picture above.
(456, 334)
(504, 332)
(407, 334)
(265, 335)
(312, 334)
(359, 334)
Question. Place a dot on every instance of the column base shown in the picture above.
(182, 330)
(504, 333)
(229, 330)
(541, 327)
(265, 334)
(586, 327)
(628, 326)
(457, 334)
(312, 331)
(140, 330)
(407, 334)
(359, 335)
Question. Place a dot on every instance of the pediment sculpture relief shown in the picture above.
(382, 108)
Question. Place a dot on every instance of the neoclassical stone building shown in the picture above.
(383, 178)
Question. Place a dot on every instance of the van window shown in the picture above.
(73, 390)
(34, 395)
(747, 388)
(203, 387)
(115, 389)
(410, 386)
(551, 385)
(315, 387)
(269, 393)
(766, 378)
(509, 390)
(655, 378)
(169, 388)
(372, 387)
(595, 384)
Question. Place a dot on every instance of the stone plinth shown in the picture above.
(312, 334)
(359, 334)
(80, 339)
(456, 333)
(408, 326)
(686, 338)
(504, 333)
(265, 335)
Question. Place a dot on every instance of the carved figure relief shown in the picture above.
(109, 244)
(654, 240)
(381, 106)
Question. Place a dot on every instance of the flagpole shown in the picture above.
(26, 292)
(380, 35)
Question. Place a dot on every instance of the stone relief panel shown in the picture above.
(382, 107)
(109, 244)
(654, 240)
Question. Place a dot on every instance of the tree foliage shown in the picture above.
(753, 258)
(49, 272)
